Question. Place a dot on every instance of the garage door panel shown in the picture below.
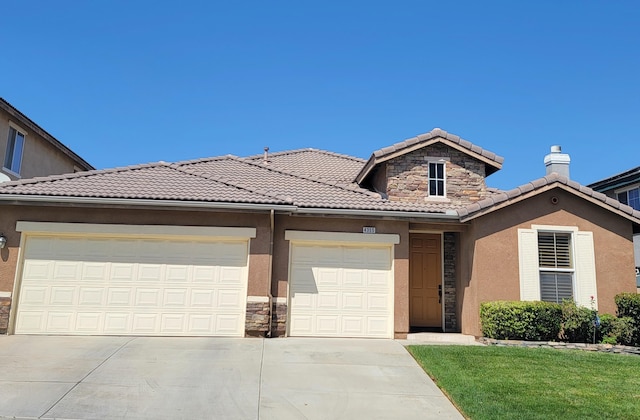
(147, 297)
(34, 295)
(63, 296)
(177, 273)
(123, 272)
(341, 291)
(38, 270)
(89, 322)
(91, 296)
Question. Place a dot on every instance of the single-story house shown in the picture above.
(304, 243)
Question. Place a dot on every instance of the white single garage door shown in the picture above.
(341, 290)
(101, 285)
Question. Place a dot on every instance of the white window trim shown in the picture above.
(584, 284)
(24, 135)
(442, 161)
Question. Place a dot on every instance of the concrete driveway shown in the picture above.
(214, 378)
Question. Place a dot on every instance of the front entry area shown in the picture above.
(425, 281)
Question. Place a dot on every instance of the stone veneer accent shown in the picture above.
(407, 176)
(279, 318)
(5, 306)
(604, 348)
(450, 257)
(257, 321)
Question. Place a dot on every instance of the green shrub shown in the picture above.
(626, 331)
(577, 323)
(515, 320)
(629, 307)
(607, 332)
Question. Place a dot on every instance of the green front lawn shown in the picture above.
(524, 383)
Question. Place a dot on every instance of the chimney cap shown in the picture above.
(556, 149)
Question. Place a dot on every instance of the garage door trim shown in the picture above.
(342, 239)
(135, 230)
(48, 229)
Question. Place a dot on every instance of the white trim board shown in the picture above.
(134, 230)
(345, 237)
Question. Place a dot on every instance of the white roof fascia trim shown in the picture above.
(135, 230)
(317, 236)
(449, 214)
(145, 202)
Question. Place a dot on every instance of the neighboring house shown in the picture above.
(624, 187)
(27, 151)
(305, 243)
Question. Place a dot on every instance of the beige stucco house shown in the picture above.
(27, 150)
(304, 243)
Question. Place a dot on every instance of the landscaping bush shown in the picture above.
(607, 332)
(629, 306)
(531, 321)
(577, 323)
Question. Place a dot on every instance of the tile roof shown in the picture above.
(225, 179)
(300, 190)
(539, 185)
(314, 163)
(23, 119)
(156, 181)
(494, 162)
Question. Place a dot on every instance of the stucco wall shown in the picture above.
(40, 158)
(407, 176)
(490, 265)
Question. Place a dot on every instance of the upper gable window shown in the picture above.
(630, 197)
(436, 179)
(15, 146)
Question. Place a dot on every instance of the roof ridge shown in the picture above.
(307, 149)
(228, 182)
(83, 174)
(539, 183)
(202, 160)
(438, 132)
(335, 184)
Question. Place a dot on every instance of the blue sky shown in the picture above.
(126, 82)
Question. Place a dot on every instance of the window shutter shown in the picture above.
(585, 270)
(528, 257)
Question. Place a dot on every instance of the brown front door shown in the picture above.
(425, 280)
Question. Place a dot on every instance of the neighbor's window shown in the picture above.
(436, 179)
(15, 145)
(556, 266)
(630, 197)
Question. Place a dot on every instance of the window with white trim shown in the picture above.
(436, 177)
(630, 197)
(555, 260)
(556, 263)
(15, 146)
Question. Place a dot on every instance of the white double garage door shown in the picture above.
(82, 279)
(86, 279)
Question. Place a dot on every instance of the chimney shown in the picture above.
(557, 162)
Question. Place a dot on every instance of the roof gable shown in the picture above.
(492, 161)
(506, 198)
(23, 119)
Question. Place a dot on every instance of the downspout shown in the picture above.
(270, 273)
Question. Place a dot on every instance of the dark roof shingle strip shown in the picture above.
(468, 212)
